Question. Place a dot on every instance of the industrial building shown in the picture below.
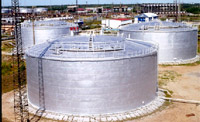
(87, 75)
(177, 41)
(72, 9)
(45, 30)
(100, 9)
(145, 17)
(121, 8)
(81, 10)
(160, 8)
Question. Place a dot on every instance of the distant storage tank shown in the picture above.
(5, 10)
(40, 10)
(44, 30)
(26, 10)
(177, 41)
(97, 75)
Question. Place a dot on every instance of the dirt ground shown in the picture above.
(186, 86)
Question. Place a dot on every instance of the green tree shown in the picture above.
(194, 10)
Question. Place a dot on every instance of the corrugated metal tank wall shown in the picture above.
(86, 86)
(94, 87)
(173, 46)
(43, 33)
(177, 42)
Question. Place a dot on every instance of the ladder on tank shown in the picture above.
(37, 116)
(42, 107)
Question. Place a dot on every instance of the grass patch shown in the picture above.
(91, 25)
(190, 18)
(6, 68)
(7, 73)
(6, 46)
(167, 94)
(198, 50)
(7, 77)
(190, 64)
(167, 76)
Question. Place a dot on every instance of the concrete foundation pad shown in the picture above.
(114, 117)
(189, 61)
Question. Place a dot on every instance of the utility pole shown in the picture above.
(21, 108)
(179, 10)
(176, 9)
(76, 2)
(33, 26)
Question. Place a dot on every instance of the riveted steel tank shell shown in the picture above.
(177, 41)
(109, 75)
(43, 31)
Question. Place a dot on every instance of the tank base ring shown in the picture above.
(188, 61)
(122, 116)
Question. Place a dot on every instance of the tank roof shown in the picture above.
(158, 25)
(91, 48)
(47, 23)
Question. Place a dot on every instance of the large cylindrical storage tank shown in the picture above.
(177, 41)
(40, 10)
(85, 75)
(26, 10)
(43, 31)
(5, 10)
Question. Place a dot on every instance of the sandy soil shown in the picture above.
(187, 87)
(7, 106)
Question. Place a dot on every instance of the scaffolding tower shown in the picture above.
(19, 77)
(21, 108)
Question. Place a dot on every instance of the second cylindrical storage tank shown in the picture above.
(40, 10)
(85, 75)
(26, 10)
(177, 41)
(5, 10)
(44, 30)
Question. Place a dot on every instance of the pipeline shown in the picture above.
(164, 90)
(181, 100)
(7, 38)
(177, 99)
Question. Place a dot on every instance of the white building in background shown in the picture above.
(115, 23)
(145, 17)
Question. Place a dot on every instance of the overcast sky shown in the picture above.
(62, 2)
